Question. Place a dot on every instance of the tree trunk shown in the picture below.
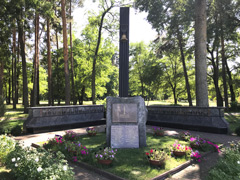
(1, 77)
(65, 51)
(71, 57)
(215, 78)
(230, 83)
(174, 95)
(14, 67)
(200, 53)
(36, 61)
(82, 96)
(96, 54)
(49, 64)
(9, 86)
(58, 86)
(223, 68)
(24, 66)
(18, 70)
(184, 68)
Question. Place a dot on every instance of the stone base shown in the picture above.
(131, 118)
(208, 119)
(43, 119)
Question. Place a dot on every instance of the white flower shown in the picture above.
(37, 159)
(39, 169)
(16, 165)
(13, 159)
(65, 168)
(238, 162)
(18, 158)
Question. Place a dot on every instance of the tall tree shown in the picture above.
(71, 55)
(14, 68)
(19, 12)
(36, 60)
(50, 98)
(171, 17)
(200, 53)
(106, 9)
(65, 52)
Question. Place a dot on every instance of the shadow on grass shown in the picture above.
(233, 120)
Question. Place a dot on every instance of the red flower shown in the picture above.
(151, 151)
(147, 153)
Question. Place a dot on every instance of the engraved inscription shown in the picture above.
(124, 113)
(124, 136)
(170, 111)
(65, 111)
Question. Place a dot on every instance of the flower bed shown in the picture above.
(132, 162)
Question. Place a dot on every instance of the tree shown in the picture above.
(65, 47)
(106, 9)
(19, 13)
(171, 17)
(200, 53)
(36, 60)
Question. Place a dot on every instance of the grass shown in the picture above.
(133, 163)
(233, 120)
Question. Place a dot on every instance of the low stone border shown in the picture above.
(115, 177)
(98, 171)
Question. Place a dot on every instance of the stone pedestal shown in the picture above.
(126, 122)
(208, 119)
(49, 118)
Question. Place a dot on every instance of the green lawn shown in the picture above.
(233, 120)
(133, 163)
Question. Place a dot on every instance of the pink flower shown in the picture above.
(192, 139)
(151, 151)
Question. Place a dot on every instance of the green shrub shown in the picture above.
(237, 130)
(227, 167)
(234, 106)
(38, 164)
(7, 145)
(16, 131)
(5, 130)
(2, 106)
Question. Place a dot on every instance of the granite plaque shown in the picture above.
(124, 113)
(124, 136)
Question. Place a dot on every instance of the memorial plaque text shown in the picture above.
(124, 136)
(124, 113)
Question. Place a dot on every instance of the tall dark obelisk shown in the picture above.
(124, 52)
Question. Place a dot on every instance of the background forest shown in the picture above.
(42, 59)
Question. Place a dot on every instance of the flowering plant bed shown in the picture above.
(158, 131)
(91, 131)
(157, 157)
(130, 161)
(185, 135)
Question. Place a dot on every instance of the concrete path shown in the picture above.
(197, 172)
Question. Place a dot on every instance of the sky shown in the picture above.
(140, 29)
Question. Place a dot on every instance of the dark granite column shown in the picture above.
(124, 52)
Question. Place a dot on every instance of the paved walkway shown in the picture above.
(197, 172)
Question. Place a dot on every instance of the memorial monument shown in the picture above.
(126, 122)
(126, 116)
